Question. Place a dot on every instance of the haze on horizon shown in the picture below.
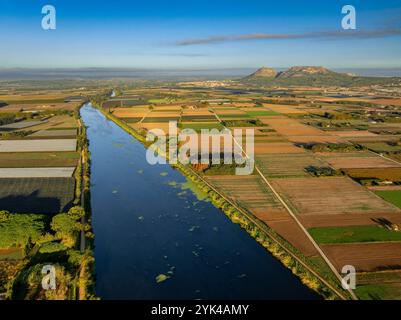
(184, 35)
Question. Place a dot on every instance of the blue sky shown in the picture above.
(200, 34)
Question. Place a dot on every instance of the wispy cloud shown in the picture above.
(326, 35)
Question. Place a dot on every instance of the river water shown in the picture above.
(149, 221)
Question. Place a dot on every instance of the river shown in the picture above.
(149, 221)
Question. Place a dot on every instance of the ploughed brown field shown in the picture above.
(344, 220)
(365, 256)
(276, 148)
(316, 139)
(285, 109)
(252, 193)
(287, 165)
(357, 161)
(17, 107)
(330, 196)
(290, 127)
(130, 113)
(392, 174)
(355, 133)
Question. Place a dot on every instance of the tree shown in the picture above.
(76, 212)
(4, 215)
(67, 228)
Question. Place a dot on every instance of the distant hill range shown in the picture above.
(308, 75)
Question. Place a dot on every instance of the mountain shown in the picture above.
(313, 76)
(297, 72)
(264, 73)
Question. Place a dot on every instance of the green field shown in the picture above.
(38, 159)
(244, 123)
(381, 147)
(387, 291)
(199, 126)
(262, 113)
(353, 234)
(392, 196)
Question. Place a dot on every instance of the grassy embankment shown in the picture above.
(290, 257)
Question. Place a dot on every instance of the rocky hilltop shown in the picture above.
(311, 75)
(301, 71)
(264, 73)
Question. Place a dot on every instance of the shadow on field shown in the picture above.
(32, 203)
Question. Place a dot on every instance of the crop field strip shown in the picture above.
(362, 160)
(38, 159)
(355, 133)
(287, 165)
(330, 196)
(43, 145)
(20, 125)
(284, 109)
(248, 191)
(36, 172)
(365, 256)
(389, 174)
(262, 148)
(37, 195)
(354, 234)
(290, 127)
(54, 133)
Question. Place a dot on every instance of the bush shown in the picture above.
(52, 247)
(67, 228)
(4, 215)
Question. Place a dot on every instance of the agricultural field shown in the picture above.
(20, 125)
(284, 109)
(38, 159)
(354, 234)
(57, 134)
(262, 148)
(359, 160)
(392, 196)
(287, 165)
(365, 256)
(36, 172)
(42, 145)
(37, 195)
(251, 193)
(385, 174)
(331, 196)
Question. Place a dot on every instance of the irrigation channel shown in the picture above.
(158, 237)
